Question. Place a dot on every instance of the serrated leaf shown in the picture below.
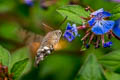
(112, 76)
(111, 61)
(18, 68)
(74, 13)
(4, 56)
(91, 70)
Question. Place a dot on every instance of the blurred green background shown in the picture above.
(21, 24)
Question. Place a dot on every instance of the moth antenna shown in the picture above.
(46, 27)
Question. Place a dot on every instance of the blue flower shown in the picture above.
(71, 32)
(29, 2)
(107, 44)
(116, 29)
(99, 25)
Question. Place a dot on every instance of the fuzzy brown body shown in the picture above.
(47, 45)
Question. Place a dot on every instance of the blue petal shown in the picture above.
(69, 27)
(91, 22)
(97, 29)
(107, 44)
(98, 11)
(106, 14)
(102, 27)
(110, 43)
(74, 29)
(69, 36)
(116, 28)
(108, 25)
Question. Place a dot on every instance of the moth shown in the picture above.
(47, 45)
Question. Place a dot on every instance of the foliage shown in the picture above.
(74, 13)
(116, 12)
(18, 67)
(91, 70)
(111, 61)
(4, 56)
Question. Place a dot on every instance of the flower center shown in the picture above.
(99, 16)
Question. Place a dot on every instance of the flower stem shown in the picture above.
(103, 40)
(85, 36)
(91, 38)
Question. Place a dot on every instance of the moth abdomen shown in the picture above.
(42, 53)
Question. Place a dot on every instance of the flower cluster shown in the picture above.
(97, 27)
(4, 75)
(71, 32)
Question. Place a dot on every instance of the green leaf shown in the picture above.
(91, 70)
(115, 12)
(111, 61)
(115, 16)
(73, 13)
(116, 9)
(4, 56)
(18, 68)
(18, 55)
(112, 76)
